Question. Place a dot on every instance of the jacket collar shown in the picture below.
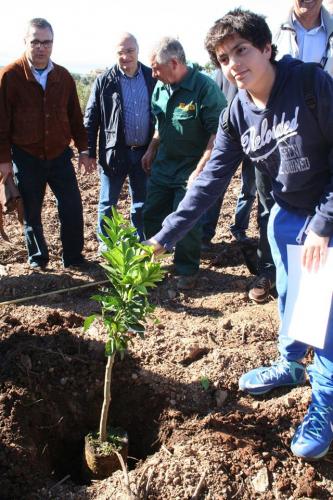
(326, 17)
(23, 62)
(188, 82)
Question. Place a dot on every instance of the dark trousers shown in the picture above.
(32, 175)
(266, 265)
(161, 201)
(243, 208)
(252, 180)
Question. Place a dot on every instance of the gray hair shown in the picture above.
(39, 22)
(169, 48)
(127, 36)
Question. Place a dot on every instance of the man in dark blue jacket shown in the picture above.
(119, 113)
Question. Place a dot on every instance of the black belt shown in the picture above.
(136, 147)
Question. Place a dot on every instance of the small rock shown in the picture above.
(134, 376)
(194, 353)
(220, 397)
(172, 402)
(255, 405)
(3, 271)
(63, 381)
(227, 325)
(289, 402)
(261, 482)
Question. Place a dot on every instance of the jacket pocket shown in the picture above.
(184, 123)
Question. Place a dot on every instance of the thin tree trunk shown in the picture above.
(107, 399)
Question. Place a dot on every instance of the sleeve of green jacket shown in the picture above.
(212, 103)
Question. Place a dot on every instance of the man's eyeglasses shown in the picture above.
(46, 44)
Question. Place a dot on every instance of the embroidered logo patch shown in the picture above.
(186, 107)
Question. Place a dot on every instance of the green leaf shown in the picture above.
(137, 327)
(98, 298)
(205, 383)
(88, 321)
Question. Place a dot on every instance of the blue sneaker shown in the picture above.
(264, 379)
(313, 437)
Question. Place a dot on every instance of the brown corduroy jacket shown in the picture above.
(42, 123)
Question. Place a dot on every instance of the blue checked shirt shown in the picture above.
(136, 108)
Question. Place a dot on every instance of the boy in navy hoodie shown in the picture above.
(271, 122)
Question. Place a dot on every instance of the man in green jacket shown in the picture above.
(187, 106)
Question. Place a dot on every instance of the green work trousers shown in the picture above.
(161, 201)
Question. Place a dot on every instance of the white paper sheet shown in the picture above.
(309, 299)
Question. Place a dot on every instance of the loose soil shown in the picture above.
(192, 434)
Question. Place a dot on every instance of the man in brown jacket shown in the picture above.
(39, 116)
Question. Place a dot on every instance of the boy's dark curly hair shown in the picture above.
(246, 24)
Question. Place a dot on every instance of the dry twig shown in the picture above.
(244, 334)
(52, 426)
(150, 475)
(198, 489)
(54, 292)
(130, 494)
(163, 447)
(60, 482)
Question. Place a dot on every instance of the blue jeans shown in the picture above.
(111, 186)
(283, 229)
(32, 176)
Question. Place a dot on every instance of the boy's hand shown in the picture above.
(314, 251)
(158, 249)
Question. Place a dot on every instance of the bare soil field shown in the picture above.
(186, 440)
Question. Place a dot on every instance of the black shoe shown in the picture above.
(186, 282)
(242, 238)
(37, 266)
(206, 245)
(78, 265)
(260, 289)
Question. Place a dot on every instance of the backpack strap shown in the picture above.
(308, 81)
(226, 123)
